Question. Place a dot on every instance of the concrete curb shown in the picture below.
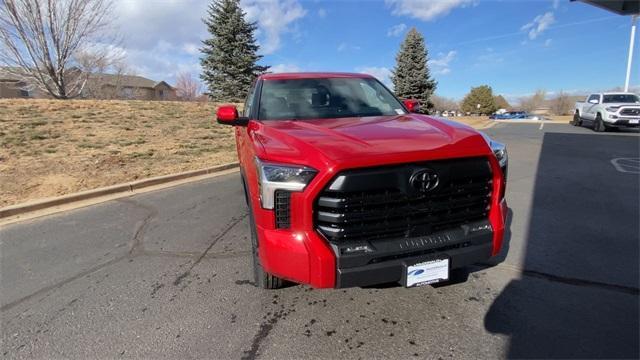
(18, 209)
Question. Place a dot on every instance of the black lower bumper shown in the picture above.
(623, 123)
(386, 261)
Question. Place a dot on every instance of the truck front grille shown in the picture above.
(382, 203)
(631, 112)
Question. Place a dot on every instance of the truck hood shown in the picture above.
(375, 140)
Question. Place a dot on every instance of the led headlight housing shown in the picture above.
(500, 151)
(612, 108)
(272, 177)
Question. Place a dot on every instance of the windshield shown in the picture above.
(326, 98)
(621, 98)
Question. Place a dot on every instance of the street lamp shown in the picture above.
(622, 7)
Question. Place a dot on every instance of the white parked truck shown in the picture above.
(606, 111)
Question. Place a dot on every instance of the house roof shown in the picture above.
(127, 80)
(7, 76)
(104, 79)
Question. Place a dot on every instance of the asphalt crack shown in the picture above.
(230, 225)
(137, 247)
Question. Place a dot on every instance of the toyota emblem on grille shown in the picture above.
(424, 180)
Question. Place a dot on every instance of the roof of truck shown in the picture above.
(312, 75)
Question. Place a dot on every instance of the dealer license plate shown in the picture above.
(634, 121)
(429, 272)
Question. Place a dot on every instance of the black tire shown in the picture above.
(598, 125)
(577, 121)
(261, 278)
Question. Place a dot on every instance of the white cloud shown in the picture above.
(381, 73)
(396, 30)
(441, 64)
(425, 9)
(488, 57)
(322, 13)
(158, 65)
(547, 42)
(539, 24)
(343, 46)
(274, 18)
(164, 37)
(283, 68)
(191, 48)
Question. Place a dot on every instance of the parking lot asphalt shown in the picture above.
(167, 274)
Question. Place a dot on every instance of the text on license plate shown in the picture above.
(428, 272)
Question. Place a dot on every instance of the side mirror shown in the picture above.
(228, 115)
(594, 101)
(412, 105)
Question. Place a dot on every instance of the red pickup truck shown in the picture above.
(347, 186)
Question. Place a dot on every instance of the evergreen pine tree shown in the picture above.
(411, 76)
(229, 61)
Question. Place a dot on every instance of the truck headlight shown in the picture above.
(612, 108)
(272, 177)
(500, 151)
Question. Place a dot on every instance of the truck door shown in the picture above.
(589, 110)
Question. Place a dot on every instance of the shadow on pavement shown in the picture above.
(578, 294)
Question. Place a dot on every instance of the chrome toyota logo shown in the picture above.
(424, 180)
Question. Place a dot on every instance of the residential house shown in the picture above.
(12, 87)
(115, 86)
(99, 86)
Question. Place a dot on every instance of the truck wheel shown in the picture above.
(577, 121)
(599, 125)
(261, 278)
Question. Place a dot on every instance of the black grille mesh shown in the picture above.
(282, 207)
(630, 112)
(387, 213)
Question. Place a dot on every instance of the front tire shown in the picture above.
(261, 278)
(599, 125)
(577, 121)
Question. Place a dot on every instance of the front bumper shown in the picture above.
(302, 255)
(624, 123)
(388, 262)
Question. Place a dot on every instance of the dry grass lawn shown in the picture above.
(50, 147)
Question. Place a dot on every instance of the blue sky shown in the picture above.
(514, 46)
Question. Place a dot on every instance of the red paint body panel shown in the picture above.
(330, 146)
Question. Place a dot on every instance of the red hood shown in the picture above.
(374, 140)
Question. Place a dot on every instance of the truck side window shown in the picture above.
(595, 97)
(249, 102)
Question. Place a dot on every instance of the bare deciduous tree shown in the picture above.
(533, 102)
(561, 104)
(444, 104)
(187, 87)
(54, 45)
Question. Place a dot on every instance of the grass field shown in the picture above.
(50, 147)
